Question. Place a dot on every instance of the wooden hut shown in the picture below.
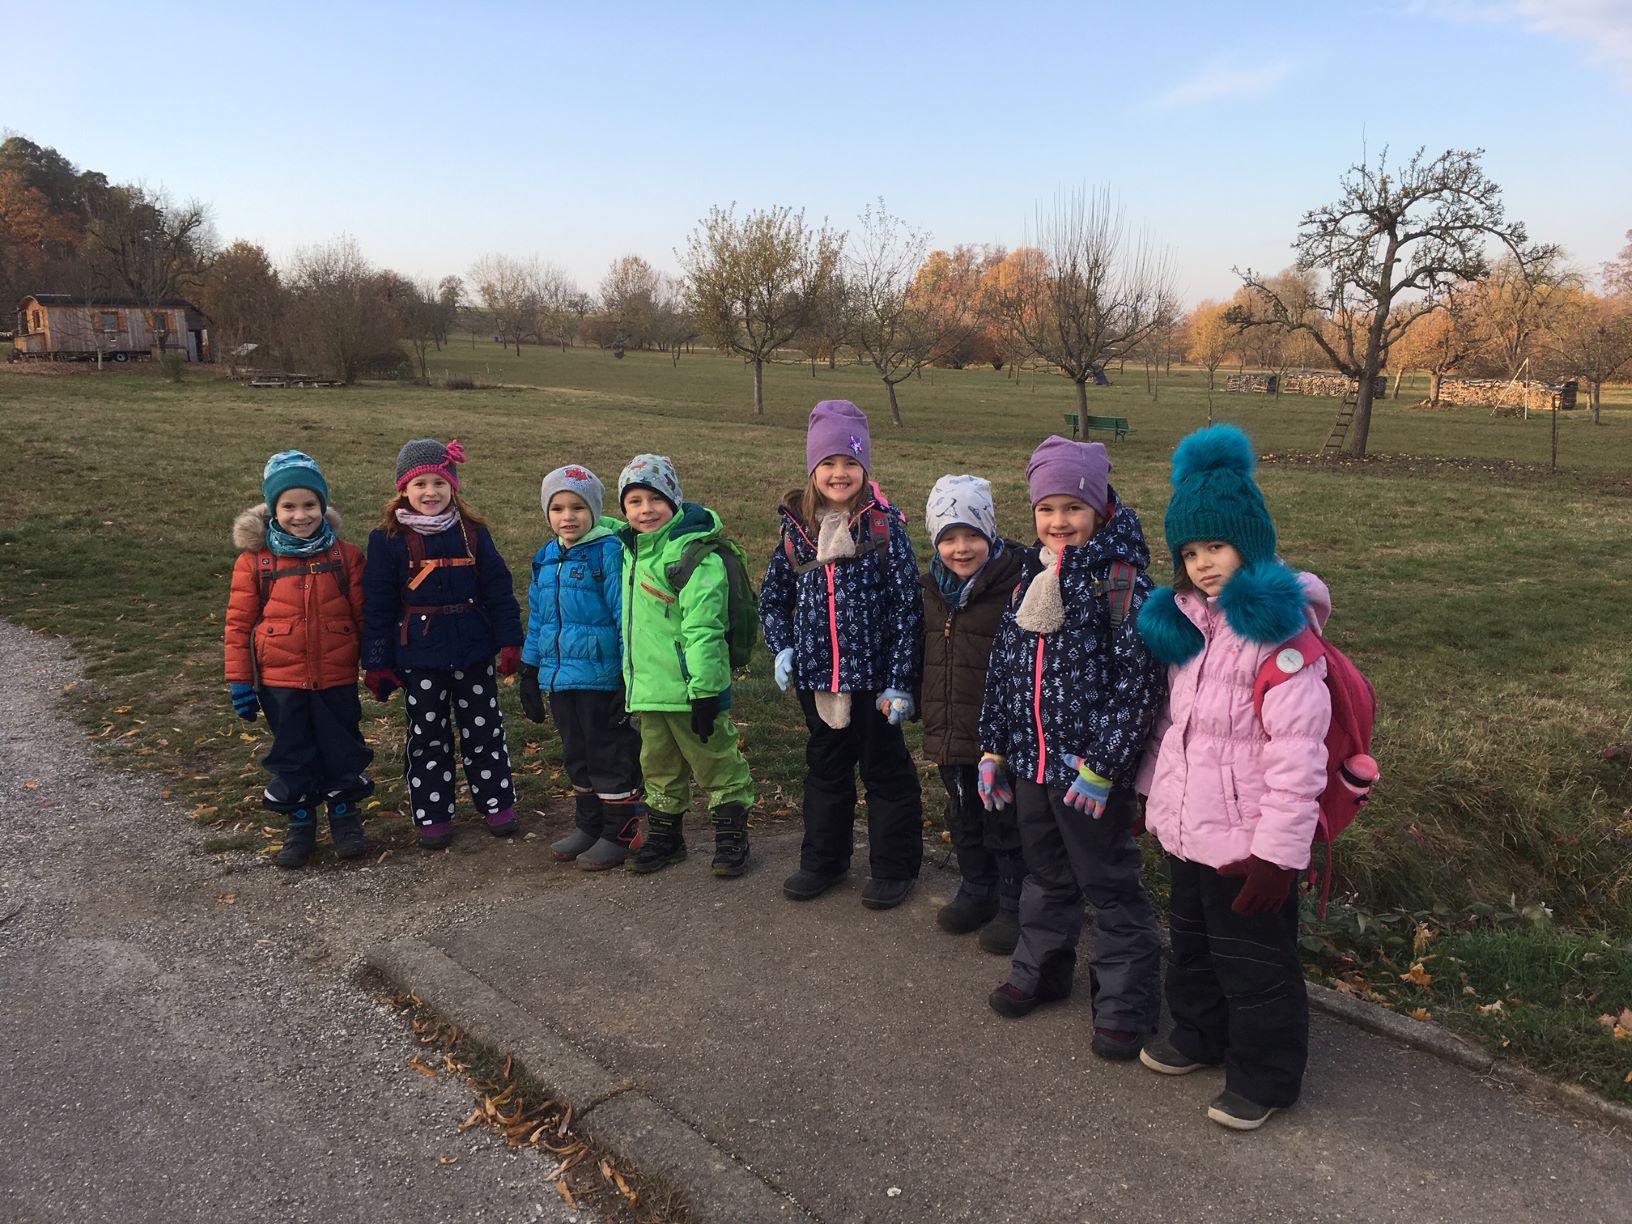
(68, 327)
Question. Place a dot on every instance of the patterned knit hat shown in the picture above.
(1216, 498)
(654, 472)
(579, 481)
(1063, 468)
(961, 501)
(292, 469)
(428, 455)
(837, 427)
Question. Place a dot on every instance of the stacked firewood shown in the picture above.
(1328, 382)
(1258, 384)
(1507, 393)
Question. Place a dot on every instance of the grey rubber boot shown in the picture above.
(612, 850)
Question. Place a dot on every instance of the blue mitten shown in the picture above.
(245, 703)
(896, 706)
(784, 668)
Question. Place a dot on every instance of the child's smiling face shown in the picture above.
(963, 550)
(299, 512)
(569, 518)
(839, 478)
(1064, 521)
(428, 493)
(646, 509)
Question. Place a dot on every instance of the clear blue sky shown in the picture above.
(580, 132)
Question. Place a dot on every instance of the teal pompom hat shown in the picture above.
(292, 469)
(1216, 498)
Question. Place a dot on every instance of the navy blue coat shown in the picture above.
(1081, 689)
(484, 614)
(856, 625)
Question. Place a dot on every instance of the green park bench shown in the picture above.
(1117, 425)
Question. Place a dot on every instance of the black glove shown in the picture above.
(704, 710)
(532, 701)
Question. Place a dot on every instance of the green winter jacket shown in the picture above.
(674, 647)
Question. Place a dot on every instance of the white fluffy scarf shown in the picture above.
(1043, 610)
(834, 543)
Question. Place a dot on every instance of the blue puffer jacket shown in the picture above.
(476, 608)
(855, 625)
(1079, 689)
(575, 609)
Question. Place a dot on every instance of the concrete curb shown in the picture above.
(1430, 1038)
(612, 1110)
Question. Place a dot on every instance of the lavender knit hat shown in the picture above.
(654, 472)
(1063, 468)
(837, 427)
(577, 480)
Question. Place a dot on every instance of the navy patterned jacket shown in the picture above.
(481, 611)
(1078, 690)
(855, 625)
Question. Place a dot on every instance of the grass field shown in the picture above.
(1480, 592)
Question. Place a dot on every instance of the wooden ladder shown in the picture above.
(1339, 432)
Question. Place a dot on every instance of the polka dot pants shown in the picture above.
(471, 696)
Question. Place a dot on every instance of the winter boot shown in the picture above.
(965, 913)
(502, 823)
(588, 819)
(346, 829)
(664, 843)
(730, 822)
(298, 840)
(622, 837)
(1000, 935)
(436, 835)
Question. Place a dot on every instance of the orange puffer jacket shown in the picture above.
(306, 637)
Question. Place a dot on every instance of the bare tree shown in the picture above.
(1592, 338)
(1095, 292)
(147, 245)
(751, 284)
(340, 315)
(1618, 271)
(450, 296)
(1518, 302)
(903, 310)
(629, 296)
(1446, 340)
(513, 292)
(671, 322)
(246, 303)
(1390, 245)
(828, 326)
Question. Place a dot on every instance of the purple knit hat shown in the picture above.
(837, 427)
(1063, 468)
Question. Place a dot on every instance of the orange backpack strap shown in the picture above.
(420, 566)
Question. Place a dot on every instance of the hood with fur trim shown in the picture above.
(249, 528)
(1263, 603)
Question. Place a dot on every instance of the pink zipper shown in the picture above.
(833, 625)
(1037, 710)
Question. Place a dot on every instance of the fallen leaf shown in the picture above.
(421, 1067)
(447, 1160)
(1422, 1013)
(1417, 976)
(566, 1194)
(1489, 1009)
(475, 1119)
(227, 898)
(31, 784)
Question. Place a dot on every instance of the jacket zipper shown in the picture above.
(1037, 711)
(833, 624)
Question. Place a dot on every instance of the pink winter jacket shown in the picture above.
(1221, 785)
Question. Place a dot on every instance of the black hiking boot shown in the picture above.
(663, 845)
(805, 885)
(964, 913)
(298, 840)
(730, 822)
(1001, 934)
(346, 830)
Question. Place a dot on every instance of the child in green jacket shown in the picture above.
(677, 670)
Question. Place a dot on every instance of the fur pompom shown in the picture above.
(1264, 603)
(1211, 449)
(1167, 632)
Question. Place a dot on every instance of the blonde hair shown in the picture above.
(811, 502)
(399, 501)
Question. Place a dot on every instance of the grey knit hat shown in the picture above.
(428, 455)
(654, 472)
(579, 481)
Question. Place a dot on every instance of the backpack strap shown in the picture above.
(420, 566)
(691, 557)
(1118, 588)
(1293, 655)
(268, 575)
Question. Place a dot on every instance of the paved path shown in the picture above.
(849, 1059)
(167, 1056)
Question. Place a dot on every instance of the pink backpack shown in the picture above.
(1351, 771)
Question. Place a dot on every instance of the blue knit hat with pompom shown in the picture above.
(1216, 498)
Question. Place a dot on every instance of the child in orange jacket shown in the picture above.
(294, 620)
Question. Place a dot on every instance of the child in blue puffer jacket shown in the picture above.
(572, 653)
(1071, 693)
(843, 613)
(437, 606)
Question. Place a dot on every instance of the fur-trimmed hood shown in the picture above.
(249, 528)
(1265, 603)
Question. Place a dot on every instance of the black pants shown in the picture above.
(895, 807)
(600, 746)
(1235, 986)
(987, 844)
(318, 753)
(1074, 861)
